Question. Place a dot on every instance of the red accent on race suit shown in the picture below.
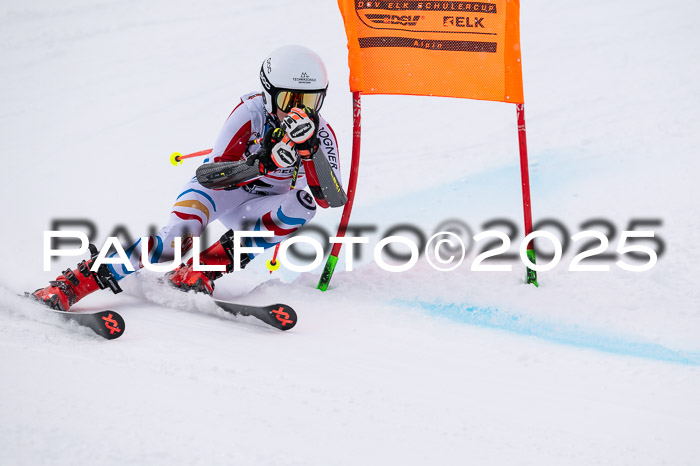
(283, 177)
(312, 180)
(235, 150)
(272, 226)
(239, 104)
(188, 217)
(333, 133)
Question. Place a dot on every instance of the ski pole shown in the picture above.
(176, 158)
(273, 264)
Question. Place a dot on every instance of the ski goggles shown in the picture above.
(287, 100)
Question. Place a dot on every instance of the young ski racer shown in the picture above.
(272, 145)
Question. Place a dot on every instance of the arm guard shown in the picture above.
(323, 183)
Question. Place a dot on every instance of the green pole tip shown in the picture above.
(531, 278)
(327, 273)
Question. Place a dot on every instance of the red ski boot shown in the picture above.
(74, 285)
(220, 253)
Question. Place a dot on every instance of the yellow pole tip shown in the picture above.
(175, 159)
(272, 266)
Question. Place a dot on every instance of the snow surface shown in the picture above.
(421, 367)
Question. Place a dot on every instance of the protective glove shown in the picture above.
(276, 151)
(301, 125)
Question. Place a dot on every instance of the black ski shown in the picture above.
(107, 324)
(280, 316)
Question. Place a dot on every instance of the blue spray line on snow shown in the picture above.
(556, 333)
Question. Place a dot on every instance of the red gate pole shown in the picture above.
(525, 179)
(352, 183)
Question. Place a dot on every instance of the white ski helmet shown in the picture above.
(292, 76)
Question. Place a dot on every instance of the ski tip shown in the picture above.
(285, 318)
(111, 325)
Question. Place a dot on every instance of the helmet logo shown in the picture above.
(305, 79)
(264, 81)
(269, 65)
